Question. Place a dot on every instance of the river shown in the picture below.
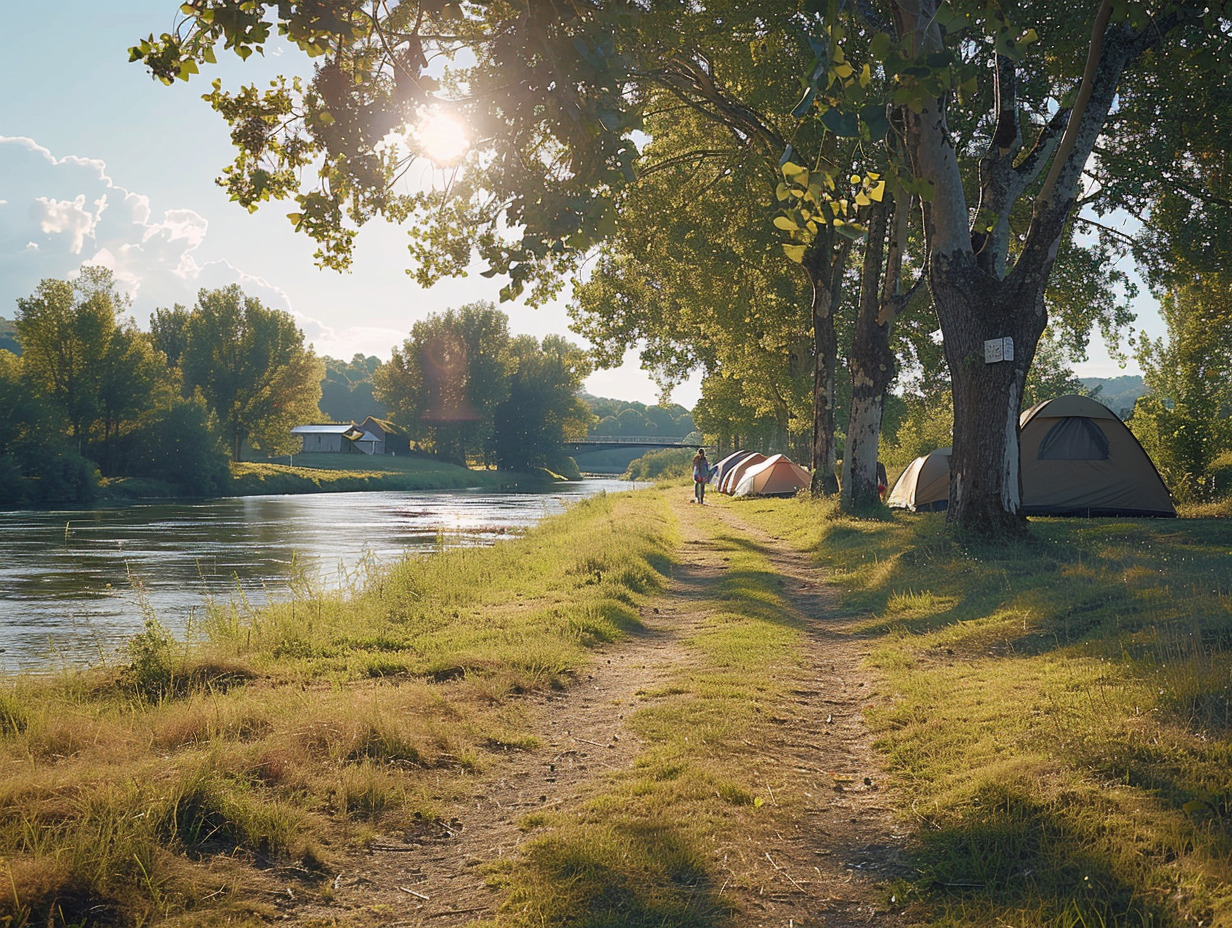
(76, 585)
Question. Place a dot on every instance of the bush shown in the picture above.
(178, 446)
(662, 465)
(1219, 477)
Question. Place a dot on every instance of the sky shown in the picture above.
(99, 163)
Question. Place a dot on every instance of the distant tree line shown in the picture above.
(627, 419)
(347, 390)
(87, 397)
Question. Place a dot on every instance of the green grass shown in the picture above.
(1061, 721)
(1055, 715)
(189, 782)
(646, 850)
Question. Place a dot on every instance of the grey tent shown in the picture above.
(1079, 459)
(724, 466)
(925, 484)
(1076, 458)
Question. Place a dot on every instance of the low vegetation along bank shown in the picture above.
(1057, 727)
(339, 473)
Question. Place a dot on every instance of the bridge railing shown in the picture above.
(669, 442)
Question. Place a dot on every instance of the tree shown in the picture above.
(65, 330)
(253, 369)
(987, 276)
(446, 381)
(557, 92)
(133, 378)
(346, 392)
(543, 409)
(168, 331)
(1185, 421)
(37, 464)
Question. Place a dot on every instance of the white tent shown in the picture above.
(775, 476)
(724, 466)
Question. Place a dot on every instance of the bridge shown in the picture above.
(625, 441)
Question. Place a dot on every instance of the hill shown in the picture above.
(1117, 393)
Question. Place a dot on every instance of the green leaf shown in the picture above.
(879, 47)
(794, 252)
(844, 125)
(785, 223)
(874, 116)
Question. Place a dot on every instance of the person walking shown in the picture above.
(701, 474)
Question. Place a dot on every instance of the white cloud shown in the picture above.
(68, 212)
(60, 217)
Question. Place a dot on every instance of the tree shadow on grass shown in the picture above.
(623, 875)
(1014, 855)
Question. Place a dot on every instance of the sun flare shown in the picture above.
(441, 136)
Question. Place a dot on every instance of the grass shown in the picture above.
(1055, 715)
(1061, 719)
(192, 781)
(646, 850)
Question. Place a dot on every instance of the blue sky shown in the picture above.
(99, 163)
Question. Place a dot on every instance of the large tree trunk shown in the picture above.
(872, 361)
(978, 295)
(974, 307)
(824, 263)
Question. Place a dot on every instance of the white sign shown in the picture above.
(998, 349)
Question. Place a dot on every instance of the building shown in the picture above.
(372, 436)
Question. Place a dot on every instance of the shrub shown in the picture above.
(662, 465)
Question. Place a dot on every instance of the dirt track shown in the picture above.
(827, 868)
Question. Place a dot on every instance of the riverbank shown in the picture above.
(648, 712)
(341, 473)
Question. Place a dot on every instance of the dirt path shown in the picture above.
(826, 868)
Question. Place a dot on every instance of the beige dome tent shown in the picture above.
(925, 485)
(729, 483)
(775, 476)
(1077, 459)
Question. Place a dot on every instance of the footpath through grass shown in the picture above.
(1061, 728)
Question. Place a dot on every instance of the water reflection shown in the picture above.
(75, 585)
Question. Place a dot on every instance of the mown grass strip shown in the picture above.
(1061, 719)
(649, 849)
(178, 787)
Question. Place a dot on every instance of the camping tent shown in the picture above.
(775, 476)
(1077, 459)
(924, 485)
(721, 469)
(733, 476)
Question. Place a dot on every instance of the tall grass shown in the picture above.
(195, 778)
(1061, 718)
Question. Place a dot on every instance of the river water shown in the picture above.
(76, 585)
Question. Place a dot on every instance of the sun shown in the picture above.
(441, 136)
